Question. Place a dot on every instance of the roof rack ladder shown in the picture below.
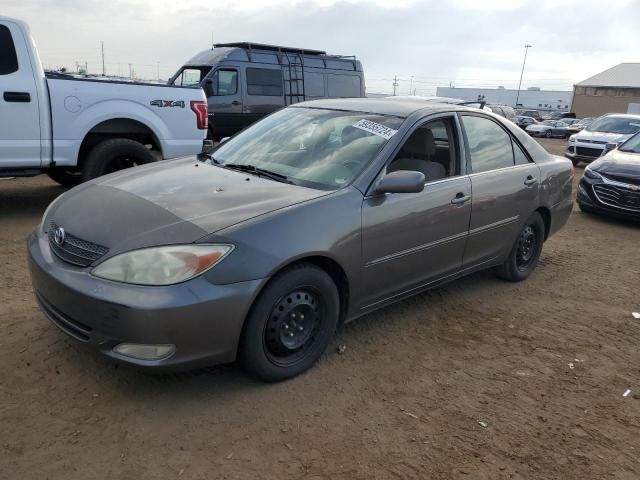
(294, 81)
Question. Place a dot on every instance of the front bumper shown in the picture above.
(605, 202)
(583, 152)
(203, 321)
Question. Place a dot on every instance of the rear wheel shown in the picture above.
(547, 134)
(113, 155)
(67, 177)
(290, 324)
(524, 255)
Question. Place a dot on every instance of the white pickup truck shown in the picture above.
(75, 129)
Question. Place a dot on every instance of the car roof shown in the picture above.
(384, 106)
(623, 115)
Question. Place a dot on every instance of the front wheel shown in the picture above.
(547, 134)
(524, 255)
(67, 177)
(290, 324)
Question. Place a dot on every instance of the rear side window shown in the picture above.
(520, 157)
(264, 81)
(489, 145)
(8, 57)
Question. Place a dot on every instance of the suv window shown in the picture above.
(226, 82)
(489, 145)
(264, 81)
(8, 57)
(430, 149)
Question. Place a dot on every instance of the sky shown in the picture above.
(470, 43)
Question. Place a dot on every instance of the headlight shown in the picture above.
(590, 173)
(572, 138)
(162, 265)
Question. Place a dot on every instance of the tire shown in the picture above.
(113, 155)
(67, 177)
(584, 208)
(523, 258)
(274, 346)
(547, 134)
(575, 162)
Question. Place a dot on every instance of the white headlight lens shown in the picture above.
(162, 265)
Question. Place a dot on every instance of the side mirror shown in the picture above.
(401, 181)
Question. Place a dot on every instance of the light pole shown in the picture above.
(526, 50)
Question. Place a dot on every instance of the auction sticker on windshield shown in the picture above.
(375, 128)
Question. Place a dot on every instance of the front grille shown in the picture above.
(77, 330)
(589, 152)
(74, 250)
(618, 197)
(596, 142)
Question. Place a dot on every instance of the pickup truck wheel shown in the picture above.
(113, 155)
(524, 255)
(67, 177)
(290, 324)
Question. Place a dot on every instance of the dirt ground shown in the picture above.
(479, 379)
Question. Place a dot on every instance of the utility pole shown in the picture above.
(102, 49)
(395, 84)
(158, 65)
(130, 72)
(411, 85)
(526, 50)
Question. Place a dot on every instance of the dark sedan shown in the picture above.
(611, 184)
(312, 217)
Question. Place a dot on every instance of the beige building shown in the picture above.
(616, 90)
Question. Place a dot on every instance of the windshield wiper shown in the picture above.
(259, 171)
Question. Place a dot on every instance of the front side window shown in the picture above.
(191, 76)
(489, 145)
(8, 56)
(311, 147)
(264, 81)
(226, 82)
(430, 149)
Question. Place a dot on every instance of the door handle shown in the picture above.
(530, 180)
(19, 97)
(460, 198)
(235, 103)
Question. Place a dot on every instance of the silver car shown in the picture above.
(314, 216)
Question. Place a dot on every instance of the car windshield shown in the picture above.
(312, 147)
(548, 122)
(623, 125)
(632, 145)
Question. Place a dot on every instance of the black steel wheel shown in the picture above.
(524, 255)
(290, 324)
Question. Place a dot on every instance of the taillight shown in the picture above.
(200, 109)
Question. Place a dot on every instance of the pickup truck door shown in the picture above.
(19, 114)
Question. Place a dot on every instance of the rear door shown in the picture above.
(19, 113)
(412, 239)
(505, 184)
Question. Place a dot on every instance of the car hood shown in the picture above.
(170, 202)
(601, 137)
(622, 165)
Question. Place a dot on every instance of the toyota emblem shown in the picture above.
(58, 236)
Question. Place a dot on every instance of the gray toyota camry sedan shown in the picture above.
(316, 215)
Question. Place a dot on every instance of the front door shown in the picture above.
(19, 112)
(412, 239)
(225, 105)
(505, 186)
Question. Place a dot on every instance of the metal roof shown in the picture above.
(382, 106)
(624, 75)
(273, 48)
